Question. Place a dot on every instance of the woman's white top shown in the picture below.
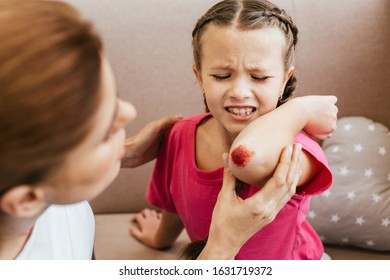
(62, 232)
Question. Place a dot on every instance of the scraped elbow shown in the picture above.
(248, 166)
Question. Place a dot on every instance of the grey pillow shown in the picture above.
(356, 209)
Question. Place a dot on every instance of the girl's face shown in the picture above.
(94, 164)
(242, 74)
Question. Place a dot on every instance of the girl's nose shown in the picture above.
(240, 89)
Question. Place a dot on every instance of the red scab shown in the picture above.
(241, 156)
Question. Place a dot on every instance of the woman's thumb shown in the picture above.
(229, 181)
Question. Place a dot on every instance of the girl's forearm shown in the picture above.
(255, 152)
(170, 228)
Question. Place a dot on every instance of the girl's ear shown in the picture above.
(290, 72)
(22, 202)
(197, 75)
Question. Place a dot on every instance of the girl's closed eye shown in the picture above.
(260, 78)
(220, 77)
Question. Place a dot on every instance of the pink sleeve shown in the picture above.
(323, 179)
(158, 193)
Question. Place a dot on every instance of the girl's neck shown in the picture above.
(226, 138)
(212, 141)
(14, 234)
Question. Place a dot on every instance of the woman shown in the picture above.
(62, 141)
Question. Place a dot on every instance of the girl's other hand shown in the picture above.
(323, 115)
(144, 226)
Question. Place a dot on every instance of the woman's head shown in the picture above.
(57, 93)
(248, 15)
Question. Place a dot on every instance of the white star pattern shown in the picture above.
(368, 172)
(376, 198)
(335, 149)
(335, 218)
(347, 127)
(356, 209)
(311, 214)
(385, 222)
(344, 171)
(351, 195)
(382, 151)
(358, 148)
(326, 194)
(360, 221)
(371, 127)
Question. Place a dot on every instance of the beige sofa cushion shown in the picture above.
(114, 242)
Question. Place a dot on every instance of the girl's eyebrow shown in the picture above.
(221, 67)
(107, 134)
(256, 67)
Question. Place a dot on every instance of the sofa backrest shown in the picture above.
(343, 49)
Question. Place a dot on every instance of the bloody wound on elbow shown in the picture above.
(241, 156)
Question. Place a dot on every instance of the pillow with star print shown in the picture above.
(355, 211)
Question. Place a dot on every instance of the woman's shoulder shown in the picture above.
(62, 232)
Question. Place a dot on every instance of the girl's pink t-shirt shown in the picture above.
(178, 186)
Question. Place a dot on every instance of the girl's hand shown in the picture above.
(235, 220)
(323, 115)
(145, 225)
(144, 146)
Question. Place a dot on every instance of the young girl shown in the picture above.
(243, 52)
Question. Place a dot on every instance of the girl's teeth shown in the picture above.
(240, 112)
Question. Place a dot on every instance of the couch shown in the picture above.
(342, 50)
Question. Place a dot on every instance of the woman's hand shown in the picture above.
(323, 112)
(235, 220)
(144, 146)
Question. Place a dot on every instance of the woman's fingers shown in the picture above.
(282, 186)
(283, 167)
(294, 169)
(229, 181)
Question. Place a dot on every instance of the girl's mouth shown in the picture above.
(240, 111)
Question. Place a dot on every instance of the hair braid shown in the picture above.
(291, 31)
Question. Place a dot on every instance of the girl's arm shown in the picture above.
(255, 152)
(156, 230)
